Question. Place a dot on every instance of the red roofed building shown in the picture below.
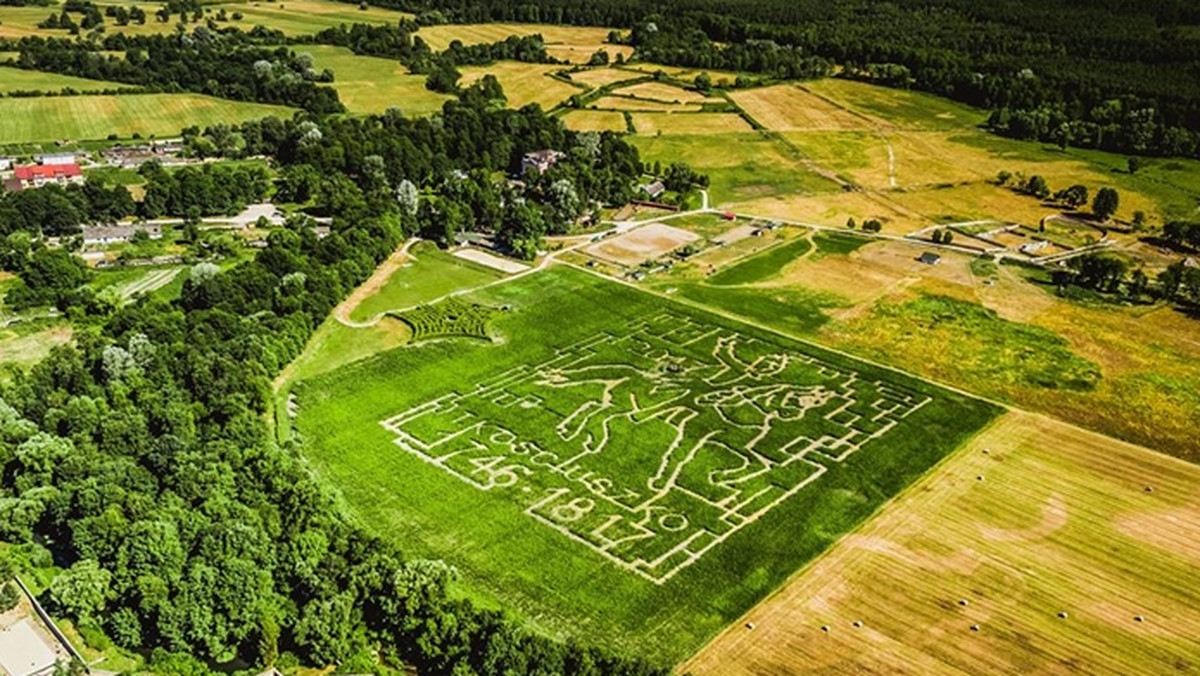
(38, 175)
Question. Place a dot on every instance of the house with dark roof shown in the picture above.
(540, 161)
(653, 190)
(930, 258)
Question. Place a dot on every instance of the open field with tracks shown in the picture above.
(575, 44)
(594, 120)
(17, 79)
(367, 84)
(96, 117)
(1041, 535)
(613, 478)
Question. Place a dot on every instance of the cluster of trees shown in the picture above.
(1104, 204)
(692, 48)
(1182, 234)
(205, 190)
(227, 64)
(1107, 273)
(1119, 76)
(943, 236)
(141, 457)
(55, 210)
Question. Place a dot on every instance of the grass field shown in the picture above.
(595, 120)
(631, 104)
(17, 79)
(659, 91)
(1059, 523)
(296, 17)
(742, 168)
(646, 528)
(600, 77)
(95, 117)
(789, 107)
(428, 274)
(366, 84)
(762, 266)
(524, 83)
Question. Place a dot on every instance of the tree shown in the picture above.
(1003, 177)
(408, 198)
(1037, 186)
(82, 590)
(1133, 164)
(703, 82)
(1105, 203)
(1074, 197)
(850, 224)
(9, 597)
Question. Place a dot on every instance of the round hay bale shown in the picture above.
(964, 602)
(750, 625)
(1149, 489)
(1062, 615)
(858, 624)
(974, 627)
(979, 478)
(825, 628)
(1138, 618)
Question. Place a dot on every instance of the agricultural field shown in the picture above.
(96, 117)
(651, 124)
(628, 103)
(425, 275)
(524, 83)
(595, 120)
(1065, 550)
(298, 17)
(574, 44)
(600, 77)
(18, 79)
(641, 475)
(658, 91)
(790, 107)
(371, 85)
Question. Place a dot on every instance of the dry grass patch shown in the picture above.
(594, 120)
(600, 77)
(689, 123)
(663, 92)
(643, 105)
(833, 209)
(524, 83)
(896, 108)
(789, 108)
(636, 246)
(1059, 523)
(440, 37)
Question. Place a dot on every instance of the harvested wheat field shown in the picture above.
(790, 108)
(689, 123)
(594, 120)
(1037, 548)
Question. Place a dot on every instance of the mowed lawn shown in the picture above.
(1050, 540)
(523, 83)
(19, 79)
(367, 84)
(429, 274)
(96, 117)
(557, 584)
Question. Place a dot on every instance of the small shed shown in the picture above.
(930, 258)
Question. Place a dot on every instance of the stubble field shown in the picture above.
(1041, 536)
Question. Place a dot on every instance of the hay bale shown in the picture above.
(750, 625)
(964, 602)
(825, 628)
(1062, 615)
(1138, 618)
(1149, 489)
(858, 624)
(974, 627)
(979, 478)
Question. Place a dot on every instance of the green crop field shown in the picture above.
(429, 275)
(619, 467)
(96, 117)
(17, 79)
(762, 266)
(367, 84)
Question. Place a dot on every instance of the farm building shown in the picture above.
(930, 258)
(540, 161)
(116, 234)
(6, 163)
(36, 176)
(653, 190)
(56, 159)
(1191, 263)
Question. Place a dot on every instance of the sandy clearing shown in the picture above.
(491, 260)
(636, 246)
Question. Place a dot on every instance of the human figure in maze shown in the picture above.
(718, 426)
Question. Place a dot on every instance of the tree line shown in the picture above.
(140, 458)
(1116, 76)
(228, 64)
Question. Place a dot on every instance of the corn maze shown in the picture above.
(447, 319)
(652, 443)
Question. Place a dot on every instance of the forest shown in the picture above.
(1123, 77)
(140, 459)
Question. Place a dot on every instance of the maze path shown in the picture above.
(653, 444)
